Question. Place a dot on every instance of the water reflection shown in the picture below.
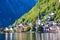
(10, 36)
(6, 35)
(32, 36)
(21, 36)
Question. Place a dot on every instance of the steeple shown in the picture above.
(39, 21)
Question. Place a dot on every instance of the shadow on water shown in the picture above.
(30, 36)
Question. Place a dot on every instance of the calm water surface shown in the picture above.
(30, 36)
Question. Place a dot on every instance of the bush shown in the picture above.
(40, 28)
(28, 29)
(33, 29)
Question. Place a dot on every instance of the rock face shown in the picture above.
(11, 10)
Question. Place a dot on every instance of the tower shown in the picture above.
(38, 22)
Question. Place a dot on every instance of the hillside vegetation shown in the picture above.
(42, 8)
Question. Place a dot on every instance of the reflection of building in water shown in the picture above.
(18, 36)
(21, 36)
(25, 36)
(37, 36)
(48, 36)
(6, 36)
(32, 36)
(11, 36)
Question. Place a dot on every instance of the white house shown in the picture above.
(11, 29)
(20, 25)
(6, 29)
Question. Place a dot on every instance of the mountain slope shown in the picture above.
(11, 10)
(43, 8)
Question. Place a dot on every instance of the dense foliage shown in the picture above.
(42, 8)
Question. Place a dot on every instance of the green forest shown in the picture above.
(42, 9)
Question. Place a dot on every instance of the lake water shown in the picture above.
(30, 36)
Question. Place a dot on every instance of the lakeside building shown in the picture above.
(21, 27)
(11, 29)
(38, 22)
(51, 26)
(6, 29)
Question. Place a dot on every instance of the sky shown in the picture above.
(11, 10)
